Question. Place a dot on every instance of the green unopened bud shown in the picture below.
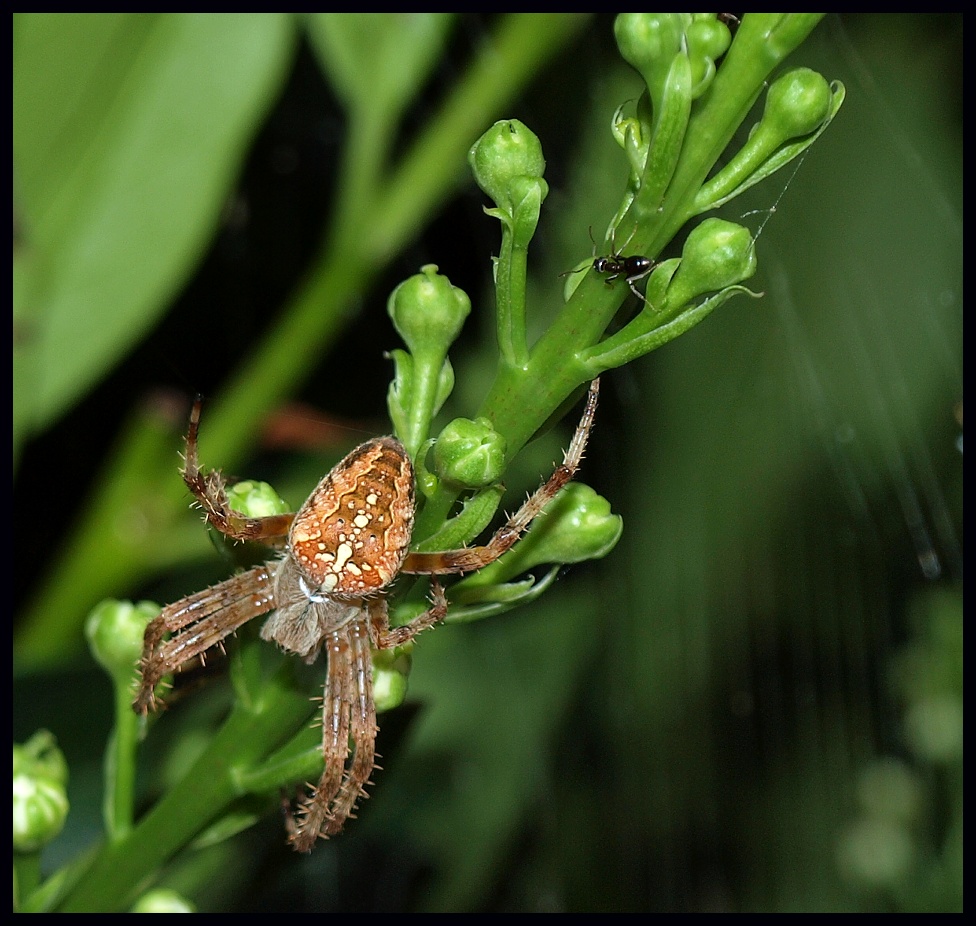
(391, 673)
(708, 39)
(41, 757)
(115, 630)
(648, 42)
(40, 809)
(578, 525)
(428, 312)
(256, 499)
(796, 105)
(716, 254)
(708, 35)
(40, 805)
(799, 106)
(163, 900)
(502, 160)
(470, 453)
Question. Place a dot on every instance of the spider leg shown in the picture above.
(471, 558)
(210, 491)
(363, 730)
(314, 808)
(199, 622)
(348, 709)
(349, 712)
(387, 637)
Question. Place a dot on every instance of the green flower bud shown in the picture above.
(40, 805)
(576, 526)
(716, 254)
(115, 630)
(41, 757)
(708, 35)
(391, 672)
(470, 453)
(256, 499)
(648, 42)
(708, 39)
(428, 313)
(507, 154)
(163, 900)
(797, 103)
(40, 809)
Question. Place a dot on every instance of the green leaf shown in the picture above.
(378, 60)
(492, 600)
(230, 824)
(129, 131)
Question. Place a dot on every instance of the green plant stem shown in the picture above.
(510, 280)
(667, 144)
(120, 767)
(123, 868)
(27, 875)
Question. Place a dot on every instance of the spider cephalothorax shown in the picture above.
(327, 591)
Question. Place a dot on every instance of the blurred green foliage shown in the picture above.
(687, 725)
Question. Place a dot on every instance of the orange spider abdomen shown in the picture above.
(352, 534)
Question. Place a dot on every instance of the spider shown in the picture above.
(328, 591)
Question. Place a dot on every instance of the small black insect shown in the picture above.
(632, 268)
